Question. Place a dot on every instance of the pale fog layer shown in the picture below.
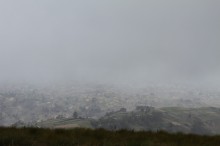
(125, 42)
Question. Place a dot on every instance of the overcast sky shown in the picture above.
(129, 41)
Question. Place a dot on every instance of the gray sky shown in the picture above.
(130, 41)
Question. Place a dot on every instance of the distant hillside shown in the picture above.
(171, 119)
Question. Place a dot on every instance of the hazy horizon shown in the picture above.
(129, 42)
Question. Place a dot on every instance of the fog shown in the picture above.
(126, 41)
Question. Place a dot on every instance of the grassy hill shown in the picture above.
(65, 123)
(173, 119)
(99, 137)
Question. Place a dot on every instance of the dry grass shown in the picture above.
(99, 137)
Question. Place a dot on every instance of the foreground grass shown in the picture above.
(99, 137)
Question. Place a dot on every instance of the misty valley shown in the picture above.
(112, 107)
(109, 73)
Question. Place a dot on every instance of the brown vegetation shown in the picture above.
(99, 137)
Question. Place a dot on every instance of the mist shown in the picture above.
(129, 42)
